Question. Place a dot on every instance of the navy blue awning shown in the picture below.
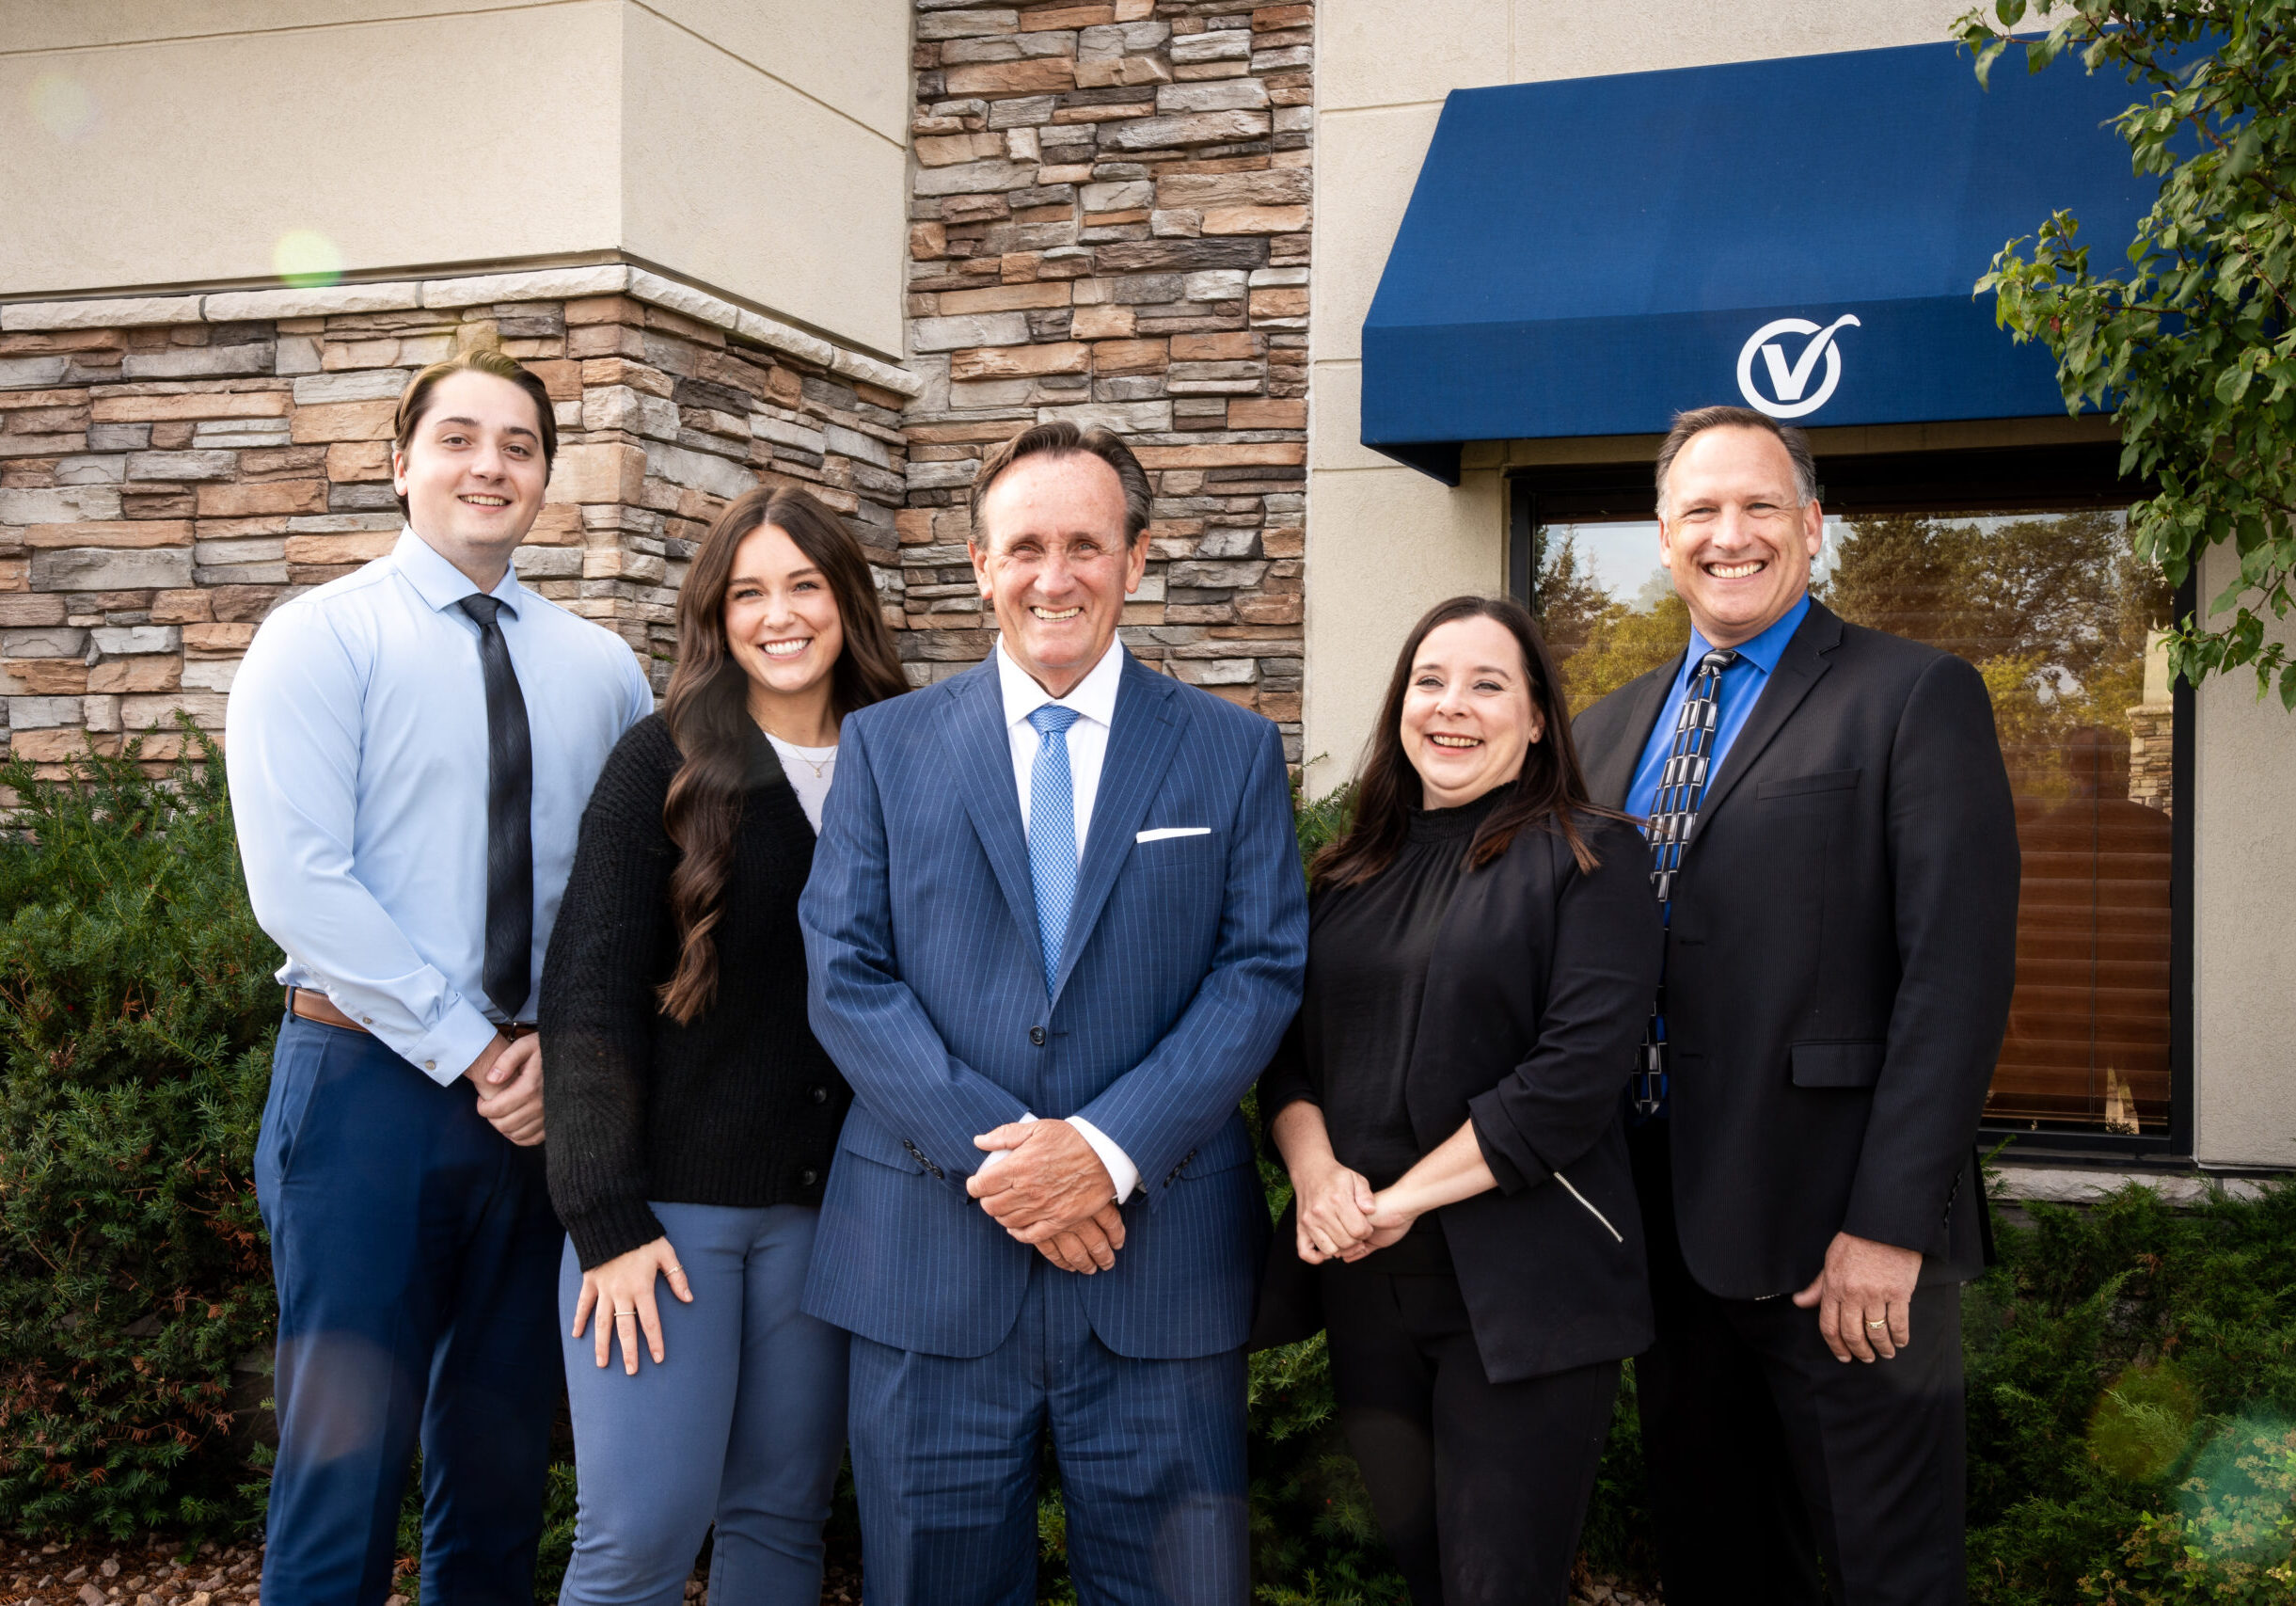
(1590, 256)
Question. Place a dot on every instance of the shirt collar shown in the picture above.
(1764, 650)
(1094, 698)
(442, 585)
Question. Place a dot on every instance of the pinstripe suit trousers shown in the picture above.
(1150, 1454)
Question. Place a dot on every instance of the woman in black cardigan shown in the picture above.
(692, 1115)
(1484, 945)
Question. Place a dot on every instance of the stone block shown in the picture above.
(342, 421)
(57, 641)
(122, 640)
(358, 546)
(1267, 275)
(698, 471)
(44, 677)
(1254, 219)
(22, 608)
(147, 466)
(354, 460)
(1216, 44)
(265, 496)
(323, 301)
(1282, 186)
(971, 329)
(1216, 671)
(207, 674)
(548, 562)
(1007, 47)
(1191, 256)
(550, 284)
(114, 676)
(1125, 72)
(1279, 454)
(1034, 77)
(1259, 413)
(942, 476)
(1218, 95)
(181, 607)
(62, 504)
(357, 384)
(92, 469)
(236, 435)
(949, 149)
(1128, 356)
(782, 433)
(852, 443)
(1034, 111)
(120, 534)
(1106, 42)
(598, 474)
(134, 311)
(1002, 298)
(990, 176)
(192, 405)
(147, 713)
(967, 23)
(1101, 323)
(1020, 363)
(32, 373)
(119, 437)
(1280, 61)
(215, 638)
(226, 554)
(199, 362)
(341, 523)
(781, 337)
(1201, 128)
(42, 713)
(1067, 17)
(1125, 418)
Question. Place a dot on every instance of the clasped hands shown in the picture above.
(508, 1076)
(1051, 1192)
(1342, 1218)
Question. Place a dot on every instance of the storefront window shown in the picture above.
(2063, 621)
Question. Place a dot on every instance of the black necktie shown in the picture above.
(1682, 786)
(510, 820)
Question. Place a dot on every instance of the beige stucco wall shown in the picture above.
(1382, 541)
(741, 144)
(2244, 941)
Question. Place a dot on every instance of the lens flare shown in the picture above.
(63, 105)
(305, 258)
(2144, 1422)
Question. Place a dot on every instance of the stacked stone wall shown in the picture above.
(164, 484)
(1110, 222)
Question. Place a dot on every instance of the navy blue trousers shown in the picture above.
(1150, 1453)
(416, 1257)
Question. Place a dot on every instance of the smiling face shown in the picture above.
(1055, 566)
(1469, 718)
(781, 621)
(1732, 535)
(472, 474)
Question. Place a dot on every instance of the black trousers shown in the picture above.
(1766, 1454)
(1481, 1488)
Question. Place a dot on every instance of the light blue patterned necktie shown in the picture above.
(1052, 831)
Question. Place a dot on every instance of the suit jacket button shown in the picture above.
(807, 1177)
(1036, 1035)
(818, 1095)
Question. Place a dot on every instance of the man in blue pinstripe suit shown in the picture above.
(1056, 926)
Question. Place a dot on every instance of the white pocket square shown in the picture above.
(1164, 830)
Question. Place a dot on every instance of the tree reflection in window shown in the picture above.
(2061, 619)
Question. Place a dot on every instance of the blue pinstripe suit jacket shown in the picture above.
(1181, 970)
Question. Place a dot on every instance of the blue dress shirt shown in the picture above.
(355, 744)
(1741, 687)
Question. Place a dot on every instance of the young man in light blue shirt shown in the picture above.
(410, 749)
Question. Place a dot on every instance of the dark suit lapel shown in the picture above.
(980, 763)
(1610, 776)
(1142, 740)
(1799, 667)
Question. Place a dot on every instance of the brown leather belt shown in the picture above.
(302, 1002)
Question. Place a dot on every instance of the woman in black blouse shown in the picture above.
(1483, 950)
(692, 1115)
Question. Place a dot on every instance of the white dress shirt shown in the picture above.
(1094, 700)
(356, 744)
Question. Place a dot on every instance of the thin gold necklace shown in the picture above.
(819, 769)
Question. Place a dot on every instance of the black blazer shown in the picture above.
(1839, 964)
(1536, 996)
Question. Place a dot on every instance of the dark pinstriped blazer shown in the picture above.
(1181, 969)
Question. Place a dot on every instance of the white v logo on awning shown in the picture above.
(1787, 384)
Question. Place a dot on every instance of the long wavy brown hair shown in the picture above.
(1551, 793)
(707, 710)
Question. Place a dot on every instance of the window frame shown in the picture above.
(2023, 478)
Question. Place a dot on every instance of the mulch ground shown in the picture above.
(163, 1573)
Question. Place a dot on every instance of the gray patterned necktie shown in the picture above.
(1682, 786)
(510, 819)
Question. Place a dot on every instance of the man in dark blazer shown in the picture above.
(1840, 952)
(1055, 926)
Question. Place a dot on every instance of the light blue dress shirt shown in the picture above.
(355, 744)
(1742, 685)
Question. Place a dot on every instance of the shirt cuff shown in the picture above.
(446, 1050)
(1120, 1167)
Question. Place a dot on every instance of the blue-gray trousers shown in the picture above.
(742, 1424)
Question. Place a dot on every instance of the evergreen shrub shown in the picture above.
(136, 1013)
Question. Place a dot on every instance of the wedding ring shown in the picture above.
(631, 1311)
(1880, 1324)
(675, 1267)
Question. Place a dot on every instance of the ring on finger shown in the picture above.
(619, 1314)
(1883, 1323)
